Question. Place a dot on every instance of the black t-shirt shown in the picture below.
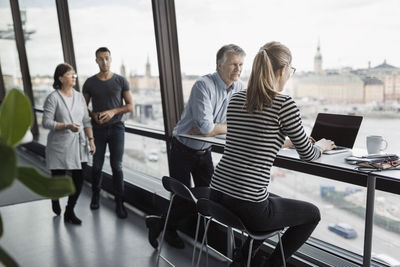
(106, 95)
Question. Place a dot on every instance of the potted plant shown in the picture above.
(16, 118)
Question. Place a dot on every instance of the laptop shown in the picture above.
(342, 129)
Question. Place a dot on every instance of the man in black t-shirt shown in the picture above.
(108, 92)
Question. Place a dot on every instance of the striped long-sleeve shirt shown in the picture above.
(252, 142)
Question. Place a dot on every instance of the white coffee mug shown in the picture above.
(376, 144)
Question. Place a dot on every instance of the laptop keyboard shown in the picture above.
(340, 148)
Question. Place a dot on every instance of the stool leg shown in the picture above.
(229, 242)
(206, 246)
(243, 238)
(206, 250)
(195, 238)
(250, 249)
(165, 227)
(282, 252)
(233, 241)
(202, 243)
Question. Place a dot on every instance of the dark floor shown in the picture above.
(35, 237)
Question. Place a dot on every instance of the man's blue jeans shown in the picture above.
(114, 136)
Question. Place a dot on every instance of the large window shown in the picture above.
(8, 50)
(42, 139)
(43, 45)
(127, 29)
(340, 57)
(341, 205)
(346, 62)
(142, 155)
(386, 238)
(146, 155)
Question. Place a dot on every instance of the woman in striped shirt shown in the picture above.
(258, 122)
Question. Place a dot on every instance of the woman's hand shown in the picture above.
(73, 127)
(325, 145)
(92, 147)
(288, 143)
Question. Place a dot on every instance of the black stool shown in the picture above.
(177, 188)
(217, 212)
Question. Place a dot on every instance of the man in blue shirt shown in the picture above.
(204, 114)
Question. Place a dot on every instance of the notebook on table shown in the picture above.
(342, 129)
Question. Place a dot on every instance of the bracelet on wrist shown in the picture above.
(91, 138)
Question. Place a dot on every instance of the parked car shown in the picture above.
(343, 229)
(383, 258)
(153, 156)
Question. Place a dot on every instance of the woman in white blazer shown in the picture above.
(66, 116)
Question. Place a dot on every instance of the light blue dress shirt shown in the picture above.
(206, 107)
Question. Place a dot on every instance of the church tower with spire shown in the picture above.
(122, 70)
(318, 60)
(148, 67)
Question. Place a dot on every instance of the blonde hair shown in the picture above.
(261, 89)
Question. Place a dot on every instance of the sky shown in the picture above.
(351, 32)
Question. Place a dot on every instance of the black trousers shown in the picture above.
(114, 136)
(185, 162)
(77, 177)
(272, 214)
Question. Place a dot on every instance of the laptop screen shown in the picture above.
(342, 129)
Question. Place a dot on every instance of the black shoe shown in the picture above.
(55, 205)
(120, 209)
(94, 204)
(155, 226)
(173, 239)
(70, 217)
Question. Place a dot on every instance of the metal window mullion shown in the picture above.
(168, 62)
(64, 23)
(2, 86)
(23, 60)
(168, 65)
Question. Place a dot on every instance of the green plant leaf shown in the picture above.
(6, 259)
(8, 165)
(16, 117)
(50, 187)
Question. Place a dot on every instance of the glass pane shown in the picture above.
(342, 206)
(127, 30)
(349, 65)
(42, 131)
(142, 155)
(9, 59)
(43, 45)
(386, 232)
(338, 71)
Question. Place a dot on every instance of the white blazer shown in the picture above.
(65, 149)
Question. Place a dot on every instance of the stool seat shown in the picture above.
(218, 212)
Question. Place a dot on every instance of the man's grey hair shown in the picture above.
(226, 49)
